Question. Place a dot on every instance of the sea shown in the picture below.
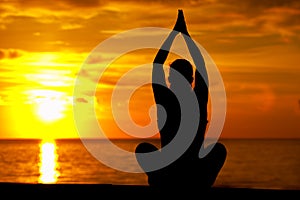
(250, 163)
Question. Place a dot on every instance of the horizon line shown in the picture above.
(125, 138)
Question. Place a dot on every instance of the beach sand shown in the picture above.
(135, 191)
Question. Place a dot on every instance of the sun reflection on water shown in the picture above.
(48, 162)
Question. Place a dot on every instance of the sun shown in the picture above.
(50, 105)
(43, 114)
(50, 110)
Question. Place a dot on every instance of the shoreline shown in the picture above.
(45, 190)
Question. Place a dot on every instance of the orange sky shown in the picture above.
(255, 45)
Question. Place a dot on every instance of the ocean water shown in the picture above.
(251, 163)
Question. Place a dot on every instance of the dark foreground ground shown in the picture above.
(103, 191)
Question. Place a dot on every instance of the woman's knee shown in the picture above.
(145, 147)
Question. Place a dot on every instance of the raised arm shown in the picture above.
(158, 75)
(201, 77)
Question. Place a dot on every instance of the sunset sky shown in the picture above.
(254, 43)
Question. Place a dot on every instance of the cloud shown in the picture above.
(226, 25)
(56, 5)
(70, 26)
(222, 25)
(10, 53)
(81, 100)
(2, 54)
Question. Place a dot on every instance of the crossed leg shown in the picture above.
(186, 172)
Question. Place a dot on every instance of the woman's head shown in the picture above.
(183, 67)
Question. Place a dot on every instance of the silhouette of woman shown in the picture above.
(188, 170)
